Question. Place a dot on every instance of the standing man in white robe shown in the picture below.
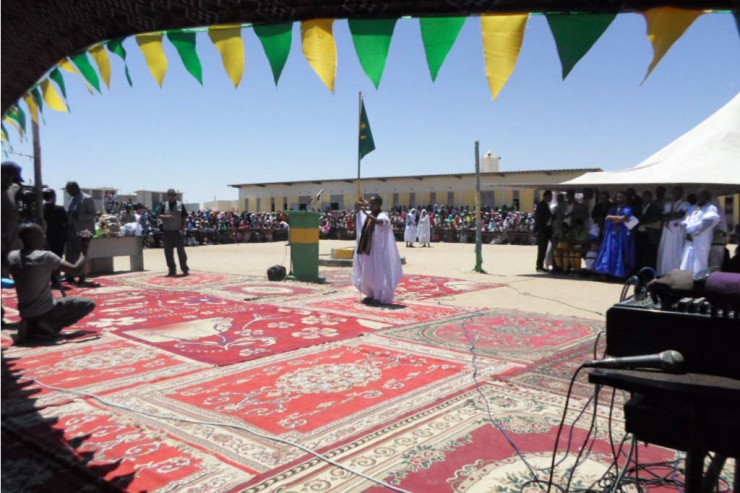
(409, 234)
(699, 226)
(424, 231)
(670, 248)
(376, 270)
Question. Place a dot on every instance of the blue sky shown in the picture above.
(201, 139)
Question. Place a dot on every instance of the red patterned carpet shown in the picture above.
(227, 383)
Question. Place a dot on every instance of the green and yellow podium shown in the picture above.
(304, 246)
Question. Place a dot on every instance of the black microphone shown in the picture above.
(669, 361)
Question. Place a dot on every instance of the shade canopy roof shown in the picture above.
(37, 34)
(707, 155)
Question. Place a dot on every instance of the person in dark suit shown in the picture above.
(648, 232)
(81, 217)
(55, 218)
(543, 228)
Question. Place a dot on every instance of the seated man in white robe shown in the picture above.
(699, 225)
(376, 270)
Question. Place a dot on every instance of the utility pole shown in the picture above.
(478, 234)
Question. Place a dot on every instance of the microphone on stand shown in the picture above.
(668, 361)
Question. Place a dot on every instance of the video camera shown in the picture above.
(25, 199)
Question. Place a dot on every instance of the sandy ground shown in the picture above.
(512, 265)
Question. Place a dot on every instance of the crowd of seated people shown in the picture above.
(448, 223)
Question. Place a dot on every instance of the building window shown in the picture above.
(451, 198)
(488, 198)
(515, 199)
(432, 198)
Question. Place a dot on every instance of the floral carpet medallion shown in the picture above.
(315, 396)
(118, 448)
(152, 308)
(393, 315)
(506, 334)
(456, 445)
(256, 331)
(196, 280)
(271, 291)
(418, 287)
(94, 366)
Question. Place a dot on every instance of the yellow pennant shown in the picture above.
(66, 64)
(100, 55)
(502, 40)
(664, 26)
(228, 41)
(52, 97)
(33, 108)
(17, 126)
(151, 46)
(4, 135)
(320, 49)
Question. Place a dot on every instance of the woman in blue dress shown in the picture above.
(617, 254)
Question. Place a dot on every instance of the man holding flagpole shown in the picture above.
(376, 269)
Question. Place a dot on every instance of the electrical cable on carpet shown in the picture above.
(553, 300)
(521, 455)
(226, 425)
(585, 440)
(474, 354)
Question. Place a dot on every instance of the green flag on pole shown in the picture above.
(367, 144)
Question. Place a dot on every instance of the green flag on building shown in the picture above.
(367, 144)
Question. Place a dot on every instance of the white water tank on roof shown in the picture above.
(490, 162)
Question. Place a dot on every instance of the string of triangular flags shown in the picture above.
(502, 37)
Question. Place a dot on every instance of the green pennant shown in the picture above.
(36, 94)
(575, 34)
(184, 42)
(19, 116)
(56, 76)
(82, 62)
(116, 46)
(372, 39)
(276, 40)
(366, 144)
(439, 35)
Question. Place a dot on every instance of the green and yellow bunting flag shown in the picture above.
(100, 55)
(320, 49)
(276, 40)
(184, 42)
(116, 46)
(575, 34)
(57, 77)
(439, 35)
(228, 41)
(366, 144)
(82, 62)
(664, 26)
(502, 40)
(153, 51)
(52, 97)
(372, 40)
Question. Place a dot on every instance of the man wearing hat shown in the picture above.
(174, 216)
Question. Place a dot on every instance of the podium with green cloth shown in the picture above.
(304, 246)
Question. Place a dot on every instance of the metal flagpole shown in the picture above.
(359, 142)
(478, 233)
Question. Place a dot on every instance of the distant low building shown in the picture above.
(457, 189)
(222, 205)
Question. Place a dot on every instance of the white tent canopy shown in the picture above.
(706, 156)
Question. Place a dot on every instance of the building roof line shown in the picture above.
(384, 178)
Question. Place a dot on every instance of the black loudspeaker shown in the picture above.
(276, 273)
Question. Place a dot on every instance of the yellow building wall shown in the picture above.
(467, 197)
(526, 200)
